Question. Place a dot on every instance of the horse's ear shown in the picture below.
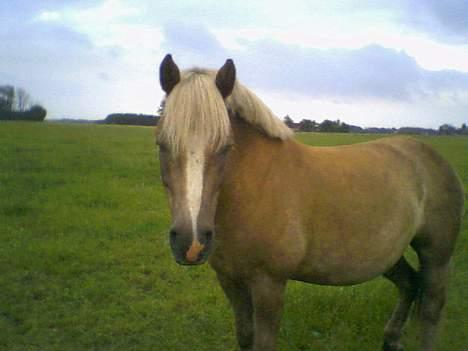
(225, 78)
(169, 74)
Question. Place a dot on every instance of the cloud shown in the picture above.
(219, 13)
(445, 21)
(371, 72)
(87, 58)
(192, 43)
(26, 9)
(59, 67)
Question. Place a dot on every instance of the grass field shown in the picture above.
(85, 262)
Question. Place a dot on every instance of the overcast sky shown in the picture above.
(370, 63)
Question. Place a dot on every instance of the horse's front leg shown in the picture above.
(240, 298)
(267, 298)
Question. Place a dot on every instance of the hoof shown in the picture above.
(392, 346)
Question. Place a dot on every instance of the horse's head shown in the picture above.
(194, 139)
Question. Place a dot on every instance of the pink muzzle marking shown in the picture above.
(194, 251)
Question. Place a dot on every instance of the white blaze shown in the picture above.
(194, 184)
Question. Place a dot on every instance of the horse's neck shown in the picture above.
(245, 135)
(253, 154)
(253, 168)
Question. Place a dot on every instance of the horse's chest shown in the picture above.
(280, 253)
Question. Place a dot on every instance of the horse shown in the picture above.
(263, 208)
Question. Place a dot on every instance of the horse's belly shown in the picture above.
(345, 274)
(350, 249)
(352, 259)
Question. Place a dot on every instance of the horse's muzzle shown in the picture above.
(190, 251)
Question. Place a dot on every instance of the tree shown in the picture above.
(306, 125)
(334, 126)
(16, 105)
(36, 113)
(447, 129)
(161, 107)
(327, 126)
(22, 100)
(7, 97)
(288, 121)
(463, 129)
(131, 119)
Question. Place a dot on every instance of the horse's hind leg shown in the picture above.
(434, 250)
(434, 286)
(406, 280)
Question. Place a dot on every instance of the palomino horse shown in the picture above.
(264, 208)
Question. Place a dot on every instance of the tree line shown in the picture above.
(17, 105)
(330, 126)
(131, 119)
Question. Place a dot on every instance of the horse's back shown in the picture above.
(422, 166)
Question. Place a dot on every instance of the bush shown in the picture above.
(36, 114)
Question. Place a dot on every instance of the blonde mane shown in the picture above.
(196, 112)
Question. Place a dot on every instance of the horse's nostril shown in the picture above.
(206, 237)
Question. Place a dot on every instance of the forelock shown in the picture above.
(194, 111)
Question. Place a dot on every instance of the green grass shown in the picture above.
(85, 262)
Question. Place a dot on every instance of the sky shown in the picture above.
(369, 63)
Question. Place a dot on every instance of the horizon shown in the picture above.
(296, 122)
(369, 64)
